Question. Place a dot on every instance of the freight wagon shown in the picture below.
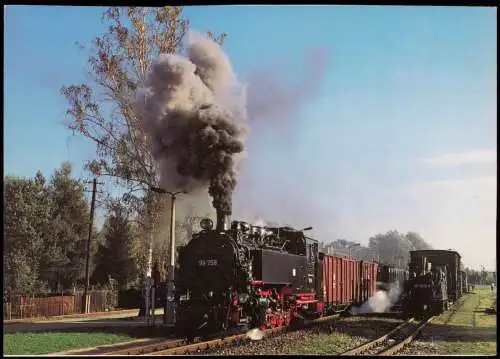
(346, 281)
(387, 275)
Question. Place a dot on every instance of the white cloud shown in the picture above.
(487, 183)
(477, 156)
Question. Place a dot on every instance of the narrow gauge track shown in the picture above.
(149, 348)
(393, 341)
(180, 346)
(107, 349)
(238, 338)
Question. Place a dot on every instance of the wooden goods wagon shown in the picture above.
(347, 281)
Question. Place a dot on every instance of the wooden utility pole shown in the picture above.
(87, 252)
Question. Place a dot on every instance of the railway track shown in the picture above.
(149, 348)
(180, 346)
(394, 341)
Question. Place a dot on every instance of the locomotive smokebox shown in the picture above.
(223, 221)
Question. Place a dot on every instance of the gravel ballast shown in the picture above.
(330, 339)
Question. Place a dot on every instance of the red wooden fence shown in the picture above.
(21, 307)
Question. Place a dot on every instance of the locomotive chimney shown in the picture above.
(223, 221)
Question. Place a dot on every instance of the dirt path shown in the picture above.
(76, 317)
(126, 319)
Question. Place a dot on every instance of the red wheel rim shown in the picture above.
(280, 321)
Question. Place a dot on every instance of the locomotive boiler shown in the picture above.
(237, 274)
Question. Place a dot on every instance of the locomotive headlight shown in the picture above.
(243, 298)
(206, 224)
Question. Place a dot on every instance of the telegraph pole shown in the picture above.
(169, 318)
(87, 252)
(168, 315)
(149, 307)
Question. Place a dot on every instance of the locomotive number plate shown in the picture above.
(207, 263)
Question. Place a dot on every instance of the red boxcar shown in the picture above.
(347, 280)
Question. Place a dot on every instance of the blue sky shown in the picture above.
(399, 133)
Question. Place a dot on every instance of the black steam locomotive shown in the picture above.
(237, 274)
(241, 274)
(435, 281)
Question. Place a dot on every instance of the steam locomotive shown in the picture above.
(433, 282)
(436, 281)
(238, 274)
(263, 277)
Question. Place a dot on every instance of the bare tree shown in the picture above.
(102, 110)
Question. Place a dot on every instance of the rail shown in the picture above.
(149, 348)
(179, 346)
(401, 344)
(401, 336)
(205, 345)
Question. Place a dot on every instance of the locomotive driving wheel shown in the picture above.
(280, 320)
(272, 321)
(288, 319)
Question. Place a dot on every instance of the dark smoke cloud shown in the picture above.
(194, 109)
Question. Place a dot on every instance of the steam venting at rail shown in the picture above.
(381, 302)
(194, 110)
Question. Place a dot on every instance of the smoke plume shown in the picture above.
(380, 302)
(273, 97)
(194, 109)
